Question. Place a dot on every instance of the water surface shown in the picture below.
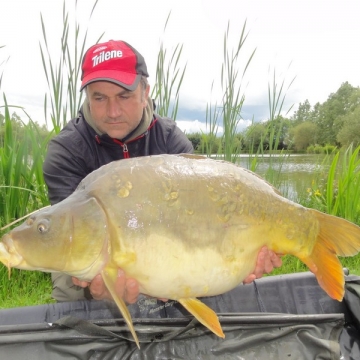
(293, 175)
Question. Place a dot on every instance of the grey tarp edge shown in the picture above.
(315, 327)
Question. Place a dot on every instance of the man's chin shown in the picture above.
(114, 132)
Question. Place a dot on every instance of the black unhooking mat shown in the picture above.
(277, 317)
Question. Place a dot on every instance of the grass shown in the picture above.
(25, 288)
(22, 187)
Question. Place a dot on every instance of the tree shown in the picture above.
(350, 131)
(255, 136)
(303, 113)
(337, 105)
(195, 139)
(304, 135)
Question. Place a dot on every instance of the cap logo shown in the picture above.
(105, 56)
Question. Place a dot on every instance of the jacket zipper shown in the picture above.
(123, 145)
(125, 151)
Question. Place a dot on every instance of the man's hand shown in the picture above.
(126, 288)
(267, 260)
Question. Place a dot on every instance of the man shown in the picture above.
(116, 121)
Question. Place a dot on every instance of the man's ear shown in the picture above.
(146, 95)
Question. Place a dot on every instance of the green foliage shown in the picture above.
(229, 111)
(343, 186)
(1, 64)
(304, 135)
(338, 191)
(349, 133)
(254, 136)
(232, 100)
(22, 187)
(344, 101)
(303, 113)
(169, 77)
(210, 144)
(62, 78)
(315, 149)
(195, 139)
(269, 136)
(24, 288)
(334, 121)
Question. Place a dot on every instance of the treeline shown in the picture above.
(18, 129)
(318, 128)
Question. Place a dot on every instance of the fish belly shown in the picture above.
(166, 267)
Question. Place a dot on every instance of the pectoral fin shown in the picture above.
(204, 314)
(109, 276)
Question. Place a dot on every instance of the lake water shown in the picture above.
(291, 174)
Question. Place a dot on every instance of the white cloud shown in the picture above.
(194, 126)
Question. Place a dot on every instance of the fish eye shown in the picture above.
(43, 226)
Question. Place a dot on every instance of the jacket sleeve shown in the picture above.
(177, 142)
(63, 171)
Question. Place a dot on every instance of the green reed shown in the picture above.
(22, 186)
(63, 76)
(22, 190)
(2, 63)
(229, 109)
(343, 185)
(169, 77)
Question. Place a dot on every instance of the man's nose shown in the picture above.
(113, 108)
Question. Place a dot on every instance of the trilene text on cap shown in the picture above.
(106, 55)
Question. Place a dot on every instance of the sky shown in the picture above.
(310, 46)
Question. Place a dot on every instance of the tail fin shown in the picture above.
(337, 237)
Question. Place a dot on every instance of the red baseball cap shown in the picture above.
(115, 61)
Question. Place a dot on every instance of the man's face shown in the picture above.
(115, 110)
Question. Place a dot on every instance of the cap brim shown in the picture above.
(129, 81)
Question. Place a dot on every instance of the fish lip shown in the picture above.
(8, 254)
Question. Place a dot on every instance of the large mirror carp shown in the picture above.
(184, 226)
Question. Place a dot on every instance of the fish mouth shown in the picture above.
(8, 254)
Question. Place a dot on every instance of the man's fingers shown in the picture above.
(275, 259)
(128, 289)
(131, 291)
(80, 283)
(266, 261)
(98, 289)
(268, 265)
(249, 279)
(120, 284)
(262, 263)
